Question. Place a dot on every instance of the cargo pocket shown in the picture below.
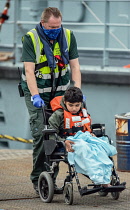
(35, 125)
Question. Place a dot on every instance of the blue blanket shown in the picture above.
(91, 156)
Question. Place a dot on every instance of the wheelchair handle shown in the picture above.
(44, 116)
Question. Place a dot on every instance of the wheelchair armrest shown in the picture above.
(97, 125)
(98, 129)
(49, 131)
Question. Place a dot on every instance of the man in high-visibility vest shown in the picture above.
(47, 51)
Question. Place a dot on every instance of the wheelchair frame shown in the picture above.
(46, 184)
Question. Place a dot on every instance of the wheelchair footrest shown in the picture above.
(117, 188)
(86, 191)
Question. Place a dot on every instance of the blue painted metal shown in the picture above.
(123, 142)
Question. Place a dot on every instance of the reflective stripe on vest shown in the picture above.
(67, 35)
(59, 88)
(46, 76)
(36, 44)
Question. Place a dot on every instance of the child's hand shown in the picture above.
(93, 134)
(68, 146)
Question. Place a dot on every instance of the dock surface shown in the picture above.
(16, 191)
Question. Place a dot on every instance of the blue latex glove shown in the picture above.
(84, 98)
(38, 101)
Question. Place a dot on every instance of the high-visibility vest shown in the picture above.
(43, 75)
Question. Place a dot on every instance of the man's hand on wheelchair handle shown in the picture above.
(38, 101)
(68, 145)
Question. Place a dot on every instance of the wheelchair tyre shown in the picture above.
(68, 193)
(46, 187)
(115, 195)
(103, 194)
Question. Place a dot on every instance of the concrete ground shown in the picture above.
(16, 192)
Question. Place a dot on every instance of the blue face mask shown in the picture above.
(52, 33)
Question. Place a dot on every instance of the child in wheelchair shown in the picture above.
(86, 154)
(70, 118)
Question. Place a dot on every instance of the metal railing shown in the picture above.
(104, 24)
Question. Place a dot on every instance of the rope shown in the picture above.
(30, 141)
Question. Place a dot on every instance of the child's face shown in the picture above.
(73, 108)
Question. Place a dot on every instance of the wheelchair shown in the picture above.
(54, 155)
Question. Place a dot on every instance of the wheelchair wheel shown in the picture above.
(115, 195)
(103, 194)
(68, 193)
(46, 187)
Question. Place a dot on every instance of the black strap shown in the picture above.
(53, 90)
(41, 65)
(72, 130)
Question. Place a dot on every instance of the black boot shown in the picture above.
(35, 186)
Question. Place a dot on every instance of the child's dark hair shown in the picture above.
(73, 95)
